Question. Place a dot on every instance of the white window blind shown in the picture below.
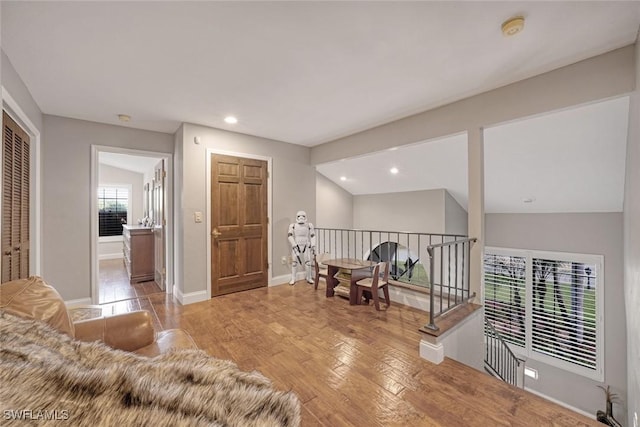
(548, 306)
(564, 310)
(504, 278)
(113, 206)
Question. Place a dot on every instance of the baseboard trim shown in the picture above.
(79, 301)
(284, 279)
(433, 352)
(189, 298)
(279, 280)
(117, 255)
(561, 403)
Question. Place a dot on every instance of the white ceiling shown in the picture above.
(300, 72)
(434, 164)
(566, 161)
(310, 72)
(139, 164)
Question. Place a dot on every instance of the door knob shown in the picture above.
(215, 233)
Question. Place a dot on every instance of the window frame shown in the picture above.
(129, 188)
(528, 352)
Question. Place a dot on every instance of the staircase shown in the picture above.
(499, 360)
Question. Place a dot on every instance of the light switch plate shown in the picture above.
(197, 216)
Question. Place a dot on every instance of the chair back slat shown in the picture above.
(384, 271)
(375, 276)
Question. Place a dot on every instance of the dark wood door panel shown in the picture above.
(238, 224)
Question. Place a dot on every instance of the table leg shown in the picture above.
(353, 290)
(331, 281)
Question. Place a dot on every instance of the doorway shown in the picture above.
(238, 223)
(131, 226)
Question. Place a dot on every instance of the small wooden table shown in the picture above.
(357, 269)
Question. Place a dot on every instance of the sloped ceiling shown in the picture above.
(565, 161)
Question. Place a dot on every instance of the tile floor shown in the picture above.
(118, 296)
(114, 283)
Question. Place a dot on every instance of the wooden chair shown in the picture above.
(379, 280)
(321, 270)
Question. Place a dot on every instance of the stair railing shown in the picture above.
(499, 360)
(445, 277)
(449, 285)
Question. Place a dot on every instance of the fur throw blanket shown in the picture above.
(47, 377)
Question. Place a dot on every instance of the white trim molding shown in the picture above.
(191, 297)
(79, 301)
(117, 255)
(432, 351)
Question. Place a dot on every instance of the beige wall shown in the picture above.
(66, 194)
(413, 211)
(13, 84)
(455, 216)
(293, 184)
(588, 233)
(632, 250)
(334, 205)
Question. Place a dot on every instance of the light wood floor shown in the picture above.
(351, 365)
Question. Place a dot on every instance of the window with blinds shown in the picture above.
(548, 306)
(15, 200)
(504, 282)
(113, 206)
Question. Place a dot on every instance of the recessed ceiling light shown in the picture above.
(343, 178)
(393, 148)
(124, 117)
(231, 120)
(394, 170)
(513, 26)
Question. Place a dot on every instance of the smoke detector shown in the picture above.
(512, 26)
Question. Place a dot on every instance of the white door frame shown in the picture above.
(168, 190)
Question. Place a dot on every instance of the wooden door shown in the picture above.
(15, 201)
(160, 223)
(239, 259)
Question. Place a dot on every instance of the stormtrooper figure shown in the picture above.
(302, 238)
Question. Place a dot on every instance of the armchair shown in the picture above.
(33, 298)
